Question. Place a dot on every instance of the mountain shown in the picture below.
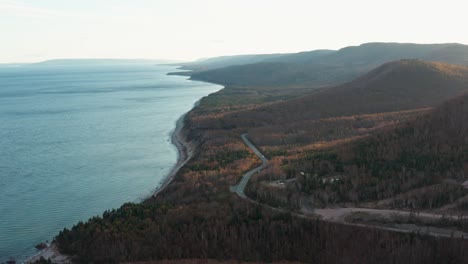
(226, 61)
(300, 57)
(324, 68)
(456, 53)
(394, 86)
(374, 54)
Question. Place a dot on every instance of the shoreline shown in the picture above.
(184, 152)
(50, 252)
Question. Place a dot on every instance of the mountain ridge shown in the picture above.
(331, 68)
(394, 86)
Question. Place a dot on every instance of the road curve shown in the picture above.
(240, 187)
(337, 215)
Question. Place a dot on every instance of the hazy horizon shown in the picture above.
(163, 60)
(152, 60)
(186, 30)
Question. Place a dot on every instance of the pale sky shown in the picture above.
(36, 30)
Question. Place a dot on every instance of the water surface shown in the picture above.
(77, 140)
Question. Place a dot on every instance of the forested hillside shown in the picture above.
(325, 68)
(386, 135)
(428, 151)
(394, 86)
(225, 61)
(239, 231)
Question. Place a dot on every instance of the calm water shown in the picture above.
(77, 140)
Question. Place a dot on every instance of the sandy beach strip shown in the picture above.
(185, 153)
(52, 253)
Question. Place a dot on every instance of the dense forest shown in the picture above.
(237, 230)
(428, 151)
(326, 145)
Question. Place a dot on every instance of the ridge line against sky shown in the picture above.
(36, 30)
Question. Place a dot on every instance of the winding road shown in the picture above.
(240, 187)
(338, 215)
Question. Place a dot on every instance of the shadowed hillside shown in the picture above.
(394, 86)
(319, 68)
(225, 61)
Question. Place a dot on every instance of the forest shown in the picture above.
(240, 231)
(348, 150)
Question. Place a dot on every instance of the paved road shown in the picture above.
(337, 215)
(240, 187)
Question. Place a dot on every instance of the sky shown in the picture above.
(37, 30)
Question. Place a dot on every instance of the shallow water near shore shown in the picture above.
(78, 140)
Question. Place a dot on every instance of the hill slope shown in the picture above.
(319, 68)
(421, 164)
(225, 61)
(394, 86)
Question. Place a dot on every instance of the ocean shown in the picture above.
(76, 140)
